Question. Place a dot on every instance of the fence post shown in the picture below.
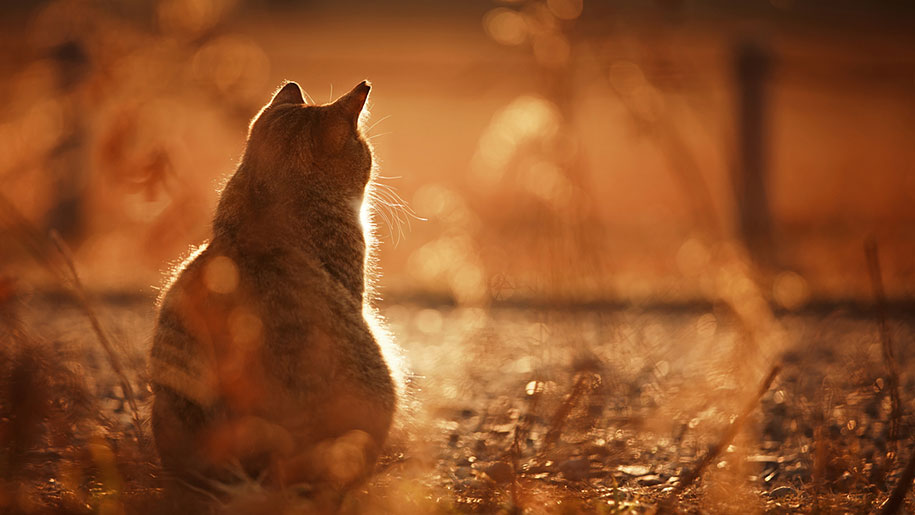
(750, 174)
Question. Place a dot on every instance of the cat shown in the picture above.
(263, 353)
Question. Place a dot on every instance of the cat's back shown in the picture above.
(264, 329)
(257, 304)
(267, 323)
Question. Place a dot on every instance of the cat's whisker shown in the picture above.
(392, 193)
(373, 136)
(400, 212)
(383, 205)
(393, 213)
(403, 218)
(310, 100)
(397, 201)
(391, 208)
(402, 221)
(331, 97)
(372, 126)
(385, 218)
(389, 199)
(400, 231)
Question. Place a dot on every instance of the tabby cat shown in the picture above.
(264, 358)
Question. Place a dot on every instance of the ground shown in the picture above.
(548, 410)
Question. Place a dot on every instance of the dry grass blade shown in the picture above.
(64, 270)
(889, 358)
(110, 353)
(22, 231)
(823, 449)
(522, 431)
(725, 440)
(894, 503)
(582, 383)
(685, 166)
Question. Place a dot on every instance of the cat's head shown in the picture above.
(323, 142)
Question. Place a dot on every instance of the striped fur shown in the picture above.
(262, 354)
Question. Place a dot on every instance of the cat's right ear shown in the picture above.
(352, 103)
(290, 93)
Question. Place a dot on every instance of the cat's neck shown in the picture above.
(333, 232)
(260, 219)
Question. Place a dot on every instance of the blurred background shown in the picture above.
(589, 151)
(603, 223)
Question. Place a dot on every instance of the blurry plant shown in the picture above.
(44, 408)
(533, 141)
(540, 25)
(52, 429)
(531, 149)
(117, 127)
(453, 258)
(59, 263)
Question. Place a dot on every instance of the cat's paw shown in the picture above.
(248, 437)
(340, 461)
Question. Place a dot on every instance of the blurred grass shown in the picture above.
(581, 324)
(663, 392)
(130, 118)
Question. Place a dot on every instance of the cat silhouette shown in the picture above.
(263, 356)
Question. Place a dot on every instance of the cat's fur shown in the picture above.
(262, 355)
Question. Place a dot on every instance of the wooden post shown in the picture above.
(754, 219)
(66, 162)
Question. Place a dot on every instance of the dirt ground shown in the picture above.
(598, 410)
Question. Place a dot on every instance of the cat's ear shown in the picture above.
(351, 104)
(290, 93)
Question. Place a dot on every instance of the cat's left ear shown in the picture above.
(290, 93)
(352, 103)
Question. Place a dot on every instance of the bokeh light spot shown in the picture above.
(245, 327)
(790, 290)
(233, 65)
(428, 321)
(546, 181)
(505, 26)
(526, 119)
(565, 9)
(552, 49)
(191, 16)
(220, 275)
(692, 257)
